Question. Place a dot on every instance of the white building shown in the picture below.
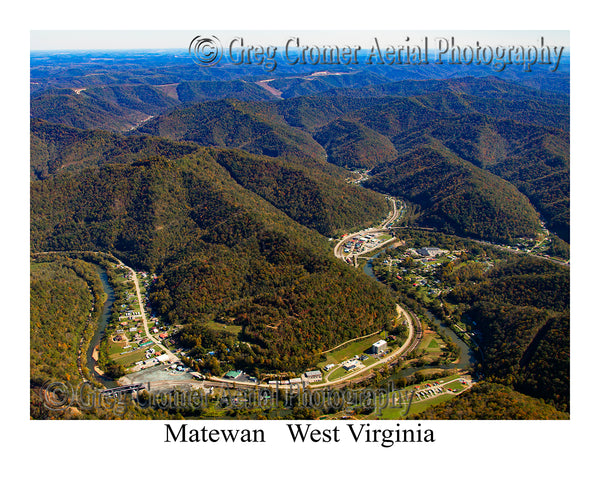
(379, 346)
(313, 376)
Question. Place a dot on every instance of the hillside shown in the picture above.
(456, 196)
(490, 401)
(309, 196)
(521, 311)
(535, 159)
(253, 127)
(83, 111)
(352, 145)
(524, 141)
(220, 251)
(319, 198)
(202, 91)
(58, 148)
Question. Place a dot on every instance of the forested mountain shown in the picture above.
(254, 127)
(308, 195)
(319, 198)
(57, 148)
(526, 144)
(455, 195)
(521, 311)
(191, 92)
(120, 108)
(222, 252)
(488, 87)
(352, 145)
(534, 159)
(82, 111)
(63, 294)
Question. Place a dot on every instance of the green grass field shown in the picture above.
(130, 358)
(337, 373)
(222, 327)
(115, 347)
(354, 348)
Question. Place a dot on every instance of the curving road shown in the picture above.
(392, 216)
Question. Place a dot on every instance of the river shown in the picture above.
(104, 319)
(466, 358)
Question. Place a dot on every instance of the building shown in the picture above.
(379, 347)
(350, 365)
(329, 366)
(429, 251)
(313, 376)
(163, 358)
(233, 374)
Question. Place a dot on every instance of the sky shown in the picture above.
(168, 39)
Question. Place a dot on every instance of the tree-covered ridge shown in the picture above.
(254, 127)
(456, 196)
(521, 311)
(316, 196)
(312, 198)
(534, 159)
(351, 145)
(120, 107)
(221, 253)
(83, 111)
(517, 132)
(202, 91)
(62, 295)
(487, 87)
(393, 116)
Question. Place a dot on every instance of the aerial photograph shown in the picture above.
(300, 225)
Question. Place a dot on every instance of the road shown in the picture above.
(172, 356)
(392, 216)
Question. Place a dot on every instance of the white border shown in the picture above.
(464, 449)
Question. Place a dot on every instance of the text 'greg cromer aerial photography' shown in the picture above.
(303, 225)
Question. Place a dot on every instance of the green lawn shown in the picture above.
(222, 327)
(131, 358)
(115, 348)
(354, 348)
(338, 373)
